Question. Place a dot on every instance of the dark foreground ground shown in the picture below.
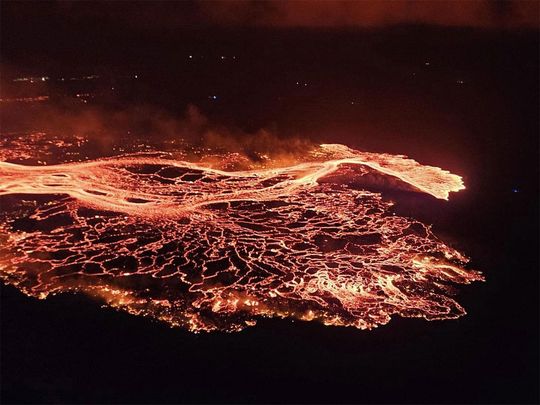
(463, 100)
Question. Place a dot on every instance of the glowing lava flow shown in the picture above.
(206, 248)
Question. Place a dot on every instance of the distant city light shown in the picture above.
(31, 79)
(24, 99)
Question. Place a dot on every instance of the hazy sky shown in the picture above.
(158, 16)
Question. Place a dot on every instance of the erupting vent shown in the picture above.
(205, 248)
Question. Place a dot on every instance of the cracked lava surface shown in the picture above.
(215, 244)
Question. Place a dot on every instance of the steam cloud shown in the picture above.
(279, 13)
(106, 127)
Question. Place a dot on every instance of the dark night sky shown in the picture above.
(41, 33)
(163, 17)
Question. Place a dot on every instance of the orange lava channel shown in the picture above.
(206, 249)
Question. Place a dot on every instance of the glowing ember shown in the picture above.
(206, 248)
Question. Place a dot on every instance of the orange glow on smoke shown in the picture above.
(206, 248)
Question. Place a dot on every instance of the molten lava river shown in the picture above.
(211, 240)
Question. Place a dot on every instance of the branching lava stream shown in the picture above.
(207, 248)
